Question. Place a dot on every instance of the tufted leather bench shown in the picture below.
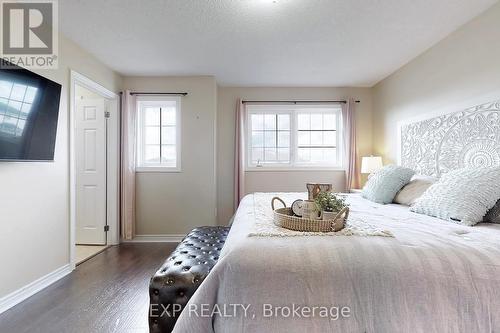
(181, 274)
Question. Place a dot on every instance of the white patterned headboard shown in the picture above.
(465, 138)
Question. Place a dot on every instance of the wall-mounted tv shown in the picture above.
(29, 107)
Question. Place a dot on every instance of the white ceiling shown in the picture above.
(264, 42)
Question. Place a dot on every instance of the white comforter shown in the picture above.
(433, 276)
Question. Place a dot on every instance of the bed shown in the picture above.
(430, 276)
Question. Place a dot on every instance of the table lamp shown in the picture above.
(371, 164)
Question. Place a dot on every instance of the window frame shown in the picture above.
(293, 111)
(157, 101)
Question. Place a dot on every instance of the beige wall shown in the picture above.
(291, 181)
(279, 181)
(174, 203)
(462, 70)
(34, 197)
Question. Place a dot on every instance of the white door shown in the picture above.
(90, 154)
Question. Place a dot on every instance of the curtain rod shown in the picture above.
(158, 93)
(298, 102)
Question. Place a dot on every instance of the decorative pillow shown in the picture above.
(462, 196)
(414, 190)
(493, 216)
(385, 183)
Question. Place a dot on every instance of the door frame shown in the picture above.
(113, 151)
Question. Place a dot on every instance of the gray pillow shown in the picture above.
(414, 190)
(383, 186)
(461, 196)
(493, 216)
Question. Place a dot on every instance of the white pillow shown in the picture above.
(383, 186)
(462, 196)
(426, 178)
(414, 190)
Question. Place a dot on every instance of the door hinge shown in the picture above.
(106, 114)
(106, 228)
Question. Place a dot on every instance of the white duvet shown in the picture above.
(432, 276)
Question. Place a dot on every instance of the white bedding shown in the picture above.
(433, 276)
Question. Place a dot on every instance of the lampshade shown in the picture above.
(371, 164)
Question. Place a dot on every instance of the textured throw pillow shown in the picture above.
(493, 216)
(461, 196)
(385, 183)
(414, 190)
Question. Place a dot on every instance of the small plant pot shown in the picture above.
(328, 215)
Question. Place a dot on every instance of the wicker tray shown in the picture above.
(284, 217)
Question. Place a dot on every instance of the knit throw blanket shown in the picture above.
(356, 224)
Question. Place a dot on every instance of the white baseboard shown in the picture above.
(155, 239)
(23, 293)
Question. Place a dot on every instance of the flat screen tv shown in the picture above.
(29, 107)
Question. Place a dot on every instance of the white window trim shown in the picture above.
(292, 110)
(143, 101)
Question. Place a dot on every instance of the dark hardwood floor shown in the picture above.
(107, 293)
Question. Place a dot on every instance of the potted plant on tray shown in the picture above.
(329, 204)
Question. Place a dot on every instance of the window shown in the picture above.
(270, 138)
(158, 135)
(293, 136)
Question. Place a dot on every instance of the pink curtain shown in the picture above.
(239, 154)
(350, 147)
(128, 154)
